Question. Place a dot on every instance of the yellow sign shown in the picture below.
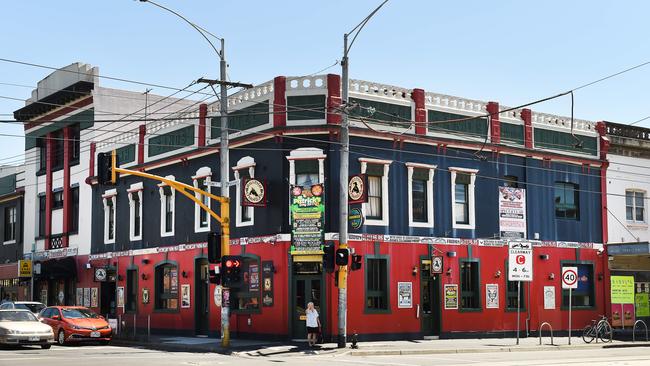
(24, 268)
(622, 290)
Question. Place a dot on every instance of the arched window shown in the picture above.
(166, 286)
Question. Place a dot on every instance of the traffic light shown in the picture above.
(214, 248)
(356, 262)
(105, 163)
(231, 266)
(342, 256)
(214, 275)
(328, 257)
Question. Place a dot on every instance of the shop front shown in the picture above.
(629, 265)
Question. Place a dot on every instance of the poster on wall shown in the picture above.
(87, 297)
(145, 295)
(307, 219)
(218, 295)
(94, 297)
(254, 277)
(492, 296)
(641, 304)
(451, 296)
(549, 297)
(404, 295)
(185, 296)
(267, 280)
(80, 296)
(120, 297)
(512, 212)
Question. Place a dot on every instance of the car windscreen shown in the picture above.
(78, 314)
(17, 316)
(34, 308)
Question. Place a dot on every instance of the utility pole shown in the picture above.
(223, 157)
(344, 177)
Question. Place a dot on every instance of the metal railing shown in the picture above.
(634, 330)
(132, 326)
(541, 327)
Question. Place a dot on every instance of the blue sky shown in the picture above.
(512, 52)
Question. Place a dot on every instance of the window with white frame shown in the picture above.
(135, 211)
(109, 198)
(635, 206)
(201, 216)
(462, 195)
(10, 224)
(167, 208)
(376, 209)
(245, 168)
(420, 194)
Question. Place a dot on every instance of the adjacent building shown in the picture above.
(12, 188)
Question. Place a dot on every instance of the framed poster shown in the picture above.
(253, 277)
(512, 213)
(185, 296)
(80, 296)
(491, 296)
(145, 295)
(93, 297)
(87, 297)
(549, 297)
(120, 297)
(404, 295)
(451, 297)
(267, 281)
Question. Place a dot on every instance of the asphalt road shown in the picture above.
(124, 356)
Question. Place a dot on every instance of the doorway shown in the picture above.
(201, 302)
(430, 300)
(107, 299)
(306, 287)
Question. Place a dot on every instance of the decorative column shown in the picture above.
(333, 99)
(67, 196)
(49, 148)
(142, 131)
(203, 112)
(279, 101)
(495, 122)
(420, 111)
(527, 116)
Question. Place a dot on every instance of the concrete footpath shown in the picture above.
(262, 348)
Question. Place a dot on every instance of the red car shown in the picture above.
(76, 323)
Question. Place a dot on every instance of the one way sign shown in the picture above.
(520, 261)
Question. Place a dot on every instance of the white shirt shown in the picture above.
(312, 318)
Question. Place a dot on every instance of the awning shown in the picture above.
(8, 271)
(59, 268)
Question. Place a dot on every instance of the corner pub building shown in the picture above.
(433, 165)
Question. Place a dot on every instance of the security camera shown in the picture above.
(600, 250)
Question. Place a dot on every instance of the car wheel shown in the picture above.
(60, 339)
(46, 346)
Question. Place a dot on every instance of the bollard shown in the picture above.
(355, 339)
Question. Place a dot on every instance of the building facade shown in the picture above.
(12, 285)
(629, 236)
(434, 165)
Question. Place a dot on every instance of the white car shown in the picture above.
(33, 306)
(21, 327)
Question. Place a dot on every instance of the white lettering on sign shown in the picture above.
(520, 261)
(569, 277)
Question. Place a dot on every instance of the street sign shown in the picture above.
(569, 277)
(520, 261)
(436, 264)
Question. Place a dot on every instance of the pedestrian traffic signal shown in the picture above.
(215, 275)
(328, 257)
(356, 262)
(214, 248)
(231, 266)
(105, 164)
(342, 256)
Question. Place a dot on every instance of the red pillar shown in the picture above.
(49, 148)
(279, 101)
(91, 165)
(527, 116)
(601, 127)
(333, 99)
(420, 112)
(495, 123)
(203, 112)
(141, 133)
(67, 196)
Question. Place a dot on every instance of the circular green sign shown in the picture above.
(355, 217)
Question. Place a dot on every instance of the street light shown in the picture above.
(223, 152)
(344, 172)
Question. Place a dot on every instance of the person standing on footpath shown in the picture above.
(313, 324)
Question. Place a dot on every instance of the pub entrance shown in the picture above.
(307, 286)
(430, 300)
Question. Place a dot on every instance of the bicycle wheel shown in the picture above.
(605, 332)
(588, 334)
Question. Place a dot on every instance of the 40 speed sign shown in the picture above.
(569, 277)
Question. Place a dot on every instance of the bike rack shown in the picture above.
(634, 330)
(551, 329)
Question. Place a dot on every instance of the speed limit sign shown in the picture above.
(569, 277)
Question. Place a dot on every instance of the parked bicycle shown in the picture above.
(599, 328)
